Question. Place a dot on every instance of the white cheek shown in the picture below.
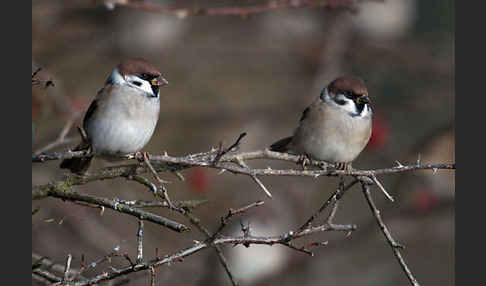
(145, 85)
(349, 106)
(366, 111)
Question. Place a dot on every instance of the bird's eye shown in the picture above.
(146, 76)
(137, 83)
(350, 95)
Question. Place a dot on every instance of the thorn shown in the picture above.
(398, 245)
(380, 186)
(180, 176)
(262, 186)
(399, 165)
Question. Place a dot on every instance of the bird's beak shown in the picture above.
(362, 99)
(159, 81)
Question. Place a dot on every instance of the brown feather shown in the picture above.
(351, 84)
(281, 145)
(137, 66)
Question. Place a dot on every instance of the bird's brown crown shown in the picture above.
(137, 66)
(345, 84)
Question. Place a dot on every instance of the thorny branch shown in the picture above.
(62, 192)
(224, 160)
(393, 244)
(282, 239)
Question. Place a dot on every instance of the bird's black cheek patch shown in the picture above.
(360, 107)
(155, 89)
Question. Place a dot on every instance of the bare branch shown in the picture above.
(222, 259)
(152, 276)
(67, 268)
(393, 244)
(380, 186)
(165, 195)
(169, 163)
(61, 138)
(221, 153)
(223, 160)
(245, 240)
(46, 275)
(231, 213)
(333, 198)
(61, 191)
(140, 242)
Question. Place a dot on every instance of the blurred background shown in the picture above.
(256, 74)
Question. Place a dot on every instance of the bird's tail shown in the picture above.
(78, 165)
(281, 145)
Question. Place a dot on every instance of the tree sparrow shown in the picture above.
(122, 117)
(336, 127)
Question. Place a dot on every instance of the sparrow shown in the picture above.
(336, 127)
(122, 117)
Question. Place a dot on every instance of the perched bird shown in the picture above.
(336, 127)
(122, 117)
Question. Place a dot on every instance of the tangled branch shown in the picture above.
(223, 159)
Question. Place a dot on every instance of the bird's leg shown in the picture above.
(303, 160)
(344, 166)
(141, 157)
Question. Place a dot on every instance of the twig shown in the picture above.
(143, 181)
(171, 164)
(61, 138)
(40, 158)
(46, 275)
(67, 268)
(191, 204)
(152, 276)
(59, 191)
(255, 178)
(380, 186)
(165, 195)
(219, 252)
(44, 262)
(222, 152)
(37, 81)
(393, 244)
(231, 213)
(333, 198)
(247, 240)
(140, 242)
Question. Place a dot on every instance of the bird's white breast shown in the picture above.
(123, 122)
(331, 134)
